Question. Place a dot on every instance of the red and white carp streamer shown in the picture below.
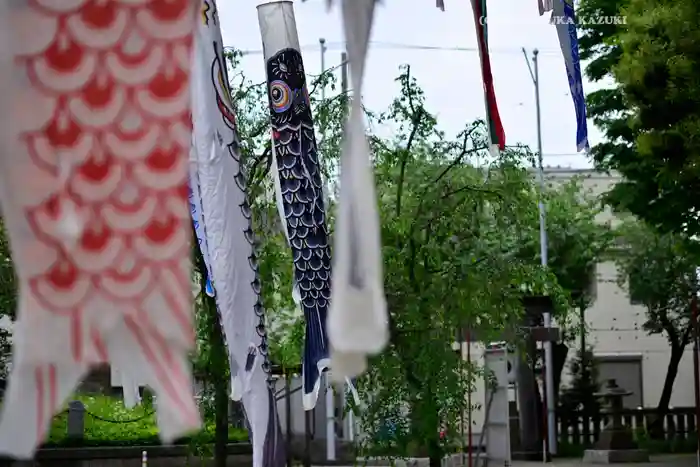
(94, 145)
(357, 319)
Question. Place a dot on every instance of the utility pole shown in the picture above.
(548, 360)
(344, 73)
(322, 43)
(696, 365)
(350, 418)
(330, 401)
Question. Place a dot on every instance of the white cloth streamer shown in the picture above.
(357, 320)
(228, 237)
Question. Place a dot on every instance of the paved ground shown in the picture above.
(656, 461)
(661, 461)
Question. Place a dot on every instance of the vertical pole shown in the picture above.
(330, 420)
(584, 350)
(351, 426)
(548, 361)
(322, 43)
(288, 414)
(469, 399)
(307, 437)
(344, 72)
(696, 371)
(330, 403)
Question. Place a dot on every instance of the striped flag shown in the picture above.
(497, 135)
(568, 41)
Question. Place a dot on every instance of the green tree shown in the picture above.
(451, 239)
(658, 73)
(8, 299)
(648, 116)
(576, 243)
(599, 45)
(450, 227)
(658, 270)
(211, 361)
(579, 394)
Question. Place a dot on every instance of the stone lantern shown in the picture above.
(616, 443)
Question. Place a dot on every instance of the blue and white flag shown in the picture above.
(564, 19)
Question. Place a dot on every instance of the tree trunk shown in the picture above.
(559, 354)
(216, 368)
(425, 423)
(221, 423)
(656, 427)
(218, 361)
(435, 453)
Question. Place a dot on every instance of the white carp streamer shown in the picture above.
(94, 145)
(357, 319)
(222, 214)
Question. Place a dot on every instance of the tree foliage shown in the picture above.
(8, 300)
(599, 45)
(658, 270)
(576, 239)
(659, 76)
(579, 394)
(650, 115)
(460, 247)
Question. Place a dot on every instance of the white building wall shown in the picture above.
(615, 324)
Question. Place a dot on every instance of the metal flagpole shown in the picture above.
(330, 402)
(696, 364)
(549, 370)
(344, 92)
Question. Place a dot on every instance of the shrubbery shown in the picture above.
(109, 423)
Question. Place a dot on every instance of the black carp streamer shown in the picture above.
(302, 199)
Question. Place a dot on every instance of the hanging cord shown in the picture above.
(117, 422)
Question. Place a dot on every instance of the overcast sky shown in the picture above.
(451, 78)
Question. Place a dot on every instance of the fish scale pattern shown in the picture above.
(95, 144)
(302, 191)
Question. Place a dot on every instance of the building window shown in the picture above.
(627, 372)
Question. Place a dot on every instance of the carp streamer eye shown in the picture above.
(281, 96)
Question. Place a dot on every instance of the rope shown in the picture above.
(108, 420)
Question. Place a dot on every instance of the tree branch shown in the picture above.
(685, 340)
(669, 328)
(416, 117)
(462, 154)
(473, 189)
(267, 157)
